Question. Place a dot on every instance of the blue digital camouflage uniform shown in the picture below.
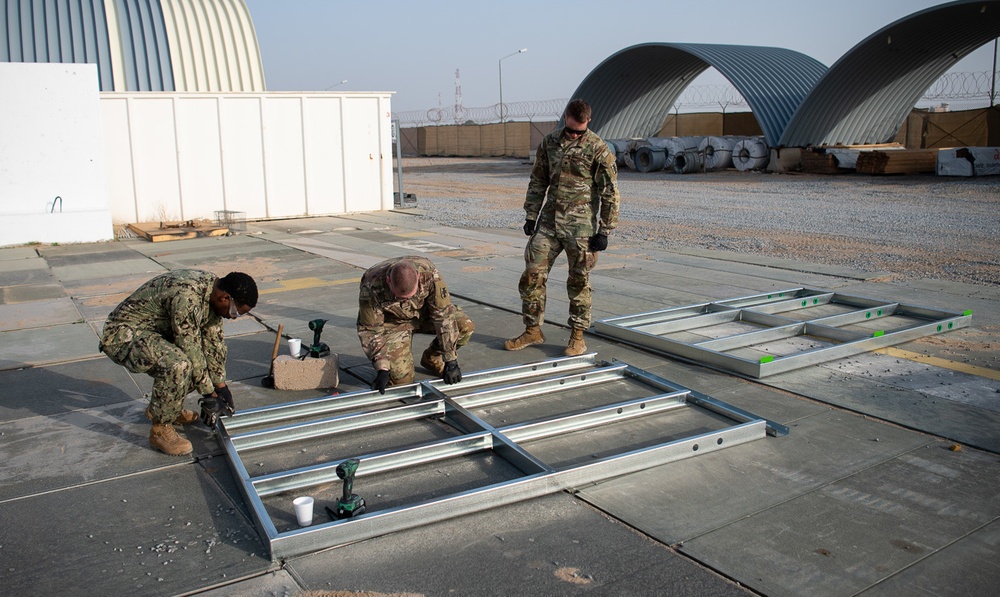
(386, 324)
(167, 330)
(572, 195)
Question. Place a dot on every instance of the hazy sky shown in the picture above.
(413, 48)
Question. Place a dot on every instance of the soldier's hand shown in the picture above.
(227, 399)
(529, 227)
(452, 374)
(381, 381)
(211, 408)
(598, 242)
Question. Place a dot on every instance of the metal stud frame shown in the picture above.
(461, 408)
(770, 333)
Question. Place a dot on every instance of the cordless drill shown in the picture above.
(318, 349)
(349, 504)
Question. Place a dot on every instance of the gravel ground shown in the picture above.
(909, 226)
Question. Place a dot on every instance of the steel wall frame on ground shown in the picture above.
(454, 405)
(771, 333)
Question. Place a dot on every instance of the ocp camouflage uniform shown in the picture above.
(167, 330)
(580, 178)
(386, 324)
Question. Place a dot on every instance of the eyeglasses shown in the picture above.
(575, 131)
(233, 311)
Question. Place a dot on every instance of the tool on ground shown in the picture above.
(268, 380)
(350, 504)
(318, 349)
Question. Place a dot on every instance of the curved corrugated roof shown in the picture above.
(866, 95)
(633, 90)
(139, 45)
(73, 32)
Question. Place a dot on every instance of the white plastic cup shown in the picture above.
(303, 510)
(294, 346)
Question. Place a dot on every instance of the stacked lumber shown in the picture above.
(162, 231)
(818, 161)
(902, 161)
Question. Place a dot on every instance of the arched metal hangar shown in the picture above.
(866, 95)
(633, 90)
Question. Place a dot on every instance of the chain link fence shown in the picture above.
(965, 90)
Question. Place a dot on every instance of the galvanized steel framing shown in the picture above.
(771, 333)
(456, 405)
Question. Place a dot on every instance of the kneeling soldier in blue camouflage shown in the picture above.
(171, 329)
(401, 296)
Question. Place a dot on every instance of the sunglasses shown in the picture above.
(575, 131)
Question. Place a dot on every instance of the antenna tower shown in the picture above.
(458, 98)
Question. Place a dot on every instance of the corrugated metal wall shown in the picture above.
(57, 31)
(139, 45)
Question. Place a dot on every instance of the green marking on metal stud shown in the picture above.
(878, 333)
(950, 323)
(967, 312)
(766, 359)
(939, 327)
(868, 315)
(879, 312)
(804, 303)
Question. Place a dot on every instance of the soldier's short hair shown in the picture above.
(241, 287)
(403, 278)
(578, 110)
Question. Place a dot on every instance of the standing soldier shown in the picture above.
(401, 296)
(576, 171)
(171, 329)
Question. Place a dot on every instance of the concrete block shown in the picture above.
(309, 373)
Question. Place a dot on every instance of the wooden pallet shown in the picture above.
(163, 231)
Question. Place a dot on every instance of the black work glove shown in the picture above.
(227, 398)
(529, 227)
(211, 408)
(381, 381)
(598, 242)
(452, 374)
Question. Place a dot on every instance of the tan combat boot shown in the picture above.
(532, 335)
(164, 438)
(187, 417)
(576, 345)
(433, 361)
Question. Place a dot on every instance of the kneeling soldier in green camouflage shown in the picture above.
(171, 329)
(401, 296)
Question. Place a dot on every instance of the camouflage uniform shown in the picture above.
(167, 329)
(386, 324)
(581, 181)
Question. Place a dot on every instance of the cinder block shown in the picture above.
(309, 373)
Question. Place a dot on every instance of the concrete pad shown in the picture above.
(270, 584)
(865, 393)
(163, 532)
(860, 529)
(45, 453)
(38, 314)
(39, 346)
(18, 253)
(118, 286)
(967, 567)
(64, 387)
(291, 373)
(30, 292)
(544, 547)
(714, 490)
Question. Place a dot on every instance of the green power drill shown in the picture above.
(349, 505)
(318, 349)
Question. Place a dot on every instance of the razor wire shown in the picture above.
(965, 87)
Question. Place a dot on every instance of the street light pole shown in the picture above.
(500, 69)
(335, 85)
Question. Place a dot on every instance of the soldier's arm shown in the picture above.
(185, 311)
(443, 315)
(371, 326)
(215, 350)
(606, 183)
(538, 185)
